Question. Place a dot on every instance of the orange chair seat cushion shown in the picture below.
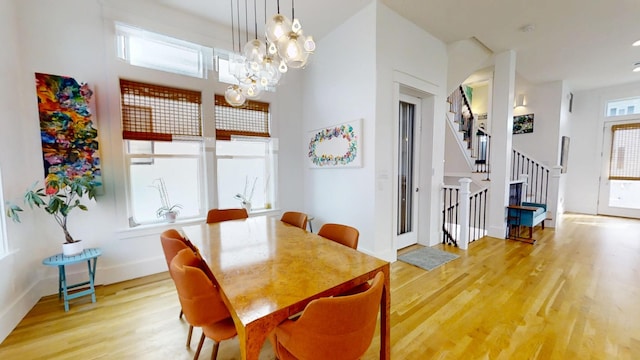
(222, 330)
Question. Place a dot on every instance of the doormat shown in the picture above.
(427, 258)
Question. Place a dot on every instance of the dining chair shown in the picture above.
(339, 328)
(218, 215)
(201, 301)
(172, 243)
(342, 234)
(295, 218)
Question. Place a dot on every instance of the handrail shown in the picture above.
(537, 176)
(464, 214)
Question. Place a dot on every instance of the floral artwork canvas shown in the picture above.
(69, 140)
(336, 146)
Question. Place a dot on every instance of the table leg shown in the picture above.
(63, 279)
(92, 274)
(60, 276)
(385, 320)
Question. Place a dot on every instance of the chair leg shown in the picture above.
(214, 352)
(180, 316)
(195, 357)
(189, 336)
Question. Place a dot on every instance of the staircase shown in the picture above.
(464, 208)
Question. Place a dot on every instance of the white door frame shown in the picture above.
(604, 189)
(411, 237)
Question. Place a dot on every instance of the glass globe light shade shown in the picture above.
(234, 96)
(251, 90)
(277, 27)
(269, 74)
(254, 51)
(292, 51)
(309, 44)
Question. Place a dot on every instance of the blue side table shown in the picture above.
(60, 261)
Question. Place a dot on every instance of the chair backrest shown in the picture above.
(218, 215)
(295, 218)
(172, 243)
(340, 327)
(343, 234)
(200, 299)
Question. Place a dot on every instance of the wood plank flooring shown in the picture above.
(575, 294)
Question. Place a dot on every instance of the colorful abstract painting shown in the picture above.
(69, 140)
(335, 146)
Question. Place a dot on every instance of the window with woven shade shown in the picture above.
(252, 119)
(162, 132)
(160, 113)
(625, 152)
(246, 156)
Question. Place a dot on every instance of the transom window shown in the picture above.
(623, 107)
(144, 48)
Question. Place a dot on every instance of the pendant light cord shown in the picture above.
(233, 32)
(255, 19)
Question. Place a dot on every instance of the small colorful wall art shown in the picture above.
(69, 140)
(523, 124)
(336, 146)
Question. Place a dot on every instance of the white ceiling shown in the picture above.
(587, 43)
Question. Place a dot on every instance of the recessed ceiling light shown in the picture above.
(636, 67)
(530, 28)
(637, 43)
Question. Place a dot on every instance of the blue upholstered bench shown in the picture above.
(527, 214)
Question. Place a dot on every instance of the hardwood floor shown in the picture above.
(575, 294)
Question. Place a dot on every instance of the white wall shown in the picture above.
(544, 101)
(340, 87)
(585, 159)
(75, 38)
(356, 70)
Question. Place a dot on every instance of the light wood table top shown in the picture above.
(268, 270)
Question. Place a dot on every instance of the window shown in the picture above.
(623, 107)
(162, 131)
(160, 52)
(245, 155)
(625, 152)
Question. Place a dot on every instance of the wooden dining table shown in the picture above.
(268, 271)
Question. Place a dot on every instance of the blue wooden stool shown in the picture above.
(60, 261)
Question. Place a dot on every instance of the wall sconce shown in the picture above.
(520, 101)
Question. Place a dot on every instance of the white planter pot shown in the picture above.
(170, 216)
(72, 249)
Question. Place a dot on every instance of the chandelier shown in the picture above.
(259, 64)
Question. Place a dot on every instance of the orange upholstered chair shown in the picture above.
(295, 218)
(201, 301)
(343, 234)
(172, 243)
(337, 328)
(218, 215)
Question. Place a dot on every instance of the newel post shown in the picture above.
(463, 241)
(554, 207)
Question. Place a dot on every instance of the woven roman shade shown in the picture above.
(155, 112)
(251, 119)
(625, 152)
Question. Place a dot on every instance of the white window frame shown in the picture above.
(202, 195)
(126, 34)
(271, 160)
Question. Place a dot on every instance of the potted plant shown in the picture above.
(245, 201)
(167, 211)
(58, 197)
